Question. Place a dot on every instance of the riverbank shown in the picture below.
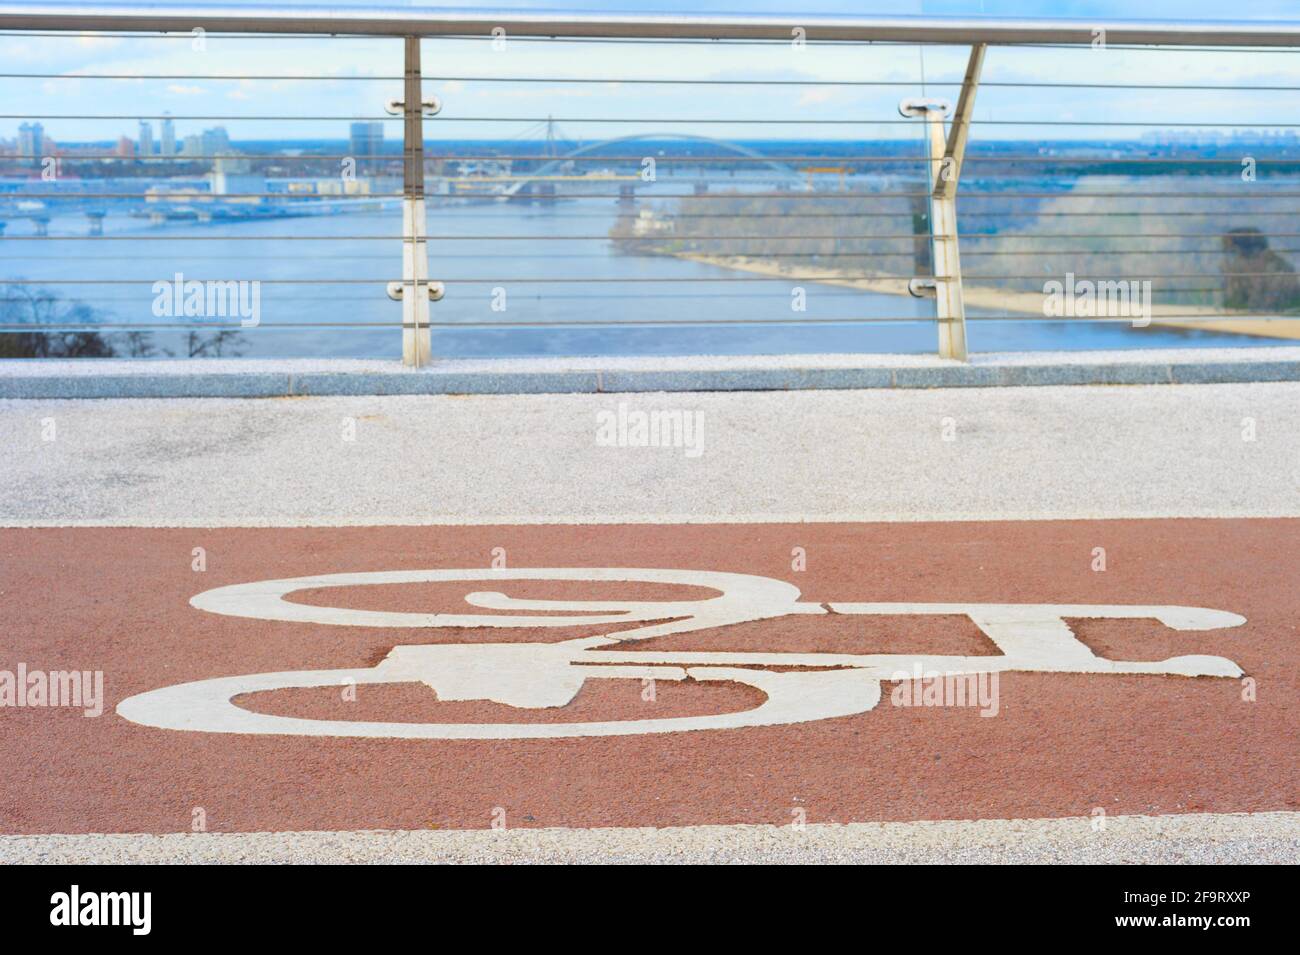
(1005, 300)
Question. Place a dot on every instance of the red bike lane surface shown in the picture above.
(117, 601)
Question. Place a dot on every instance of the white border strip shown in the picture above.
(593, 520)
(1270, 837)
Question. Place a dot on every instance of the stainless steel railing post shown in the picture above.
(946, 153)
(416, 341)
(414, 291)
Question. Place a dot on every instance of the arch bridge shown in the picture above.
(541, 172)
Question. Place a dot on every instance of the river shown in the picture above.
(537, 277)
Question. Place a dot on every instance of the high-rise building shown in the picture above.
(146, 138)
(210, 142)
(31, 142)
(366, 139)
(168, 136)
(216, 141)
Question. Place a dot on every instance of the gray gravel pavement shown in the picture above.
(979, 454)
(1198, 838)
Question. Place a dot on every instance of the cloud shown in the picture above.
(817, 95)
(90, 41)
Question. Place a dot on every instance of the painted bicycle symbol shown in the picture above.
(806, 687)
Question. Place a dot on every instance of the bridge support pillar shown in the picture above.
(943, 171)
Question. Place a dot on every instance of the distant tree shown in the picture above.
(43, 310)
(216, 345)
(1245, 241)
(137, 345)
(25, 305)
(1250, 280)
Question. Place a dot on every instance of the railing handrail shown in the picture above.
(405, 21)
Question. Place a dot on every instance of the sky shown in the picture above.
(1118, 9)
(185, 86)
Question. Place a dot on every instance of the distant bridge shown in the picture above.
(541, 172)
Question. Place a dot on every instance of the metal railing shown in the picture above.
(871, 224)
